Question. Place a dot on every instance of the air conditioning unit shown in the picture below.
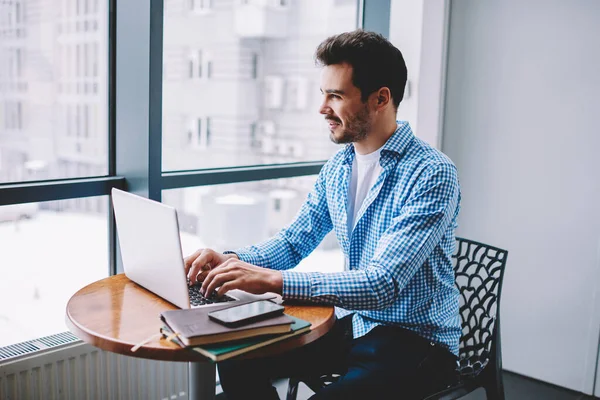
(266, 128)
(261, 18)
(297, 92)
(273, 91)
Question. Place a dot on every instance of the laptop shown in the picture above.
(150, 246)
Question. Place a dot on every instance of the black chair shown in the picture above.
(479, 271)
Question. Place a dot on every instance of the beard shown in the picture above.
(355, 129)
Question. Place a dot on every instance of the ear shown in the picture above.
(381, 98)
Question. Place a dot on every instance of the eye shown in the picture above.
(335, 96)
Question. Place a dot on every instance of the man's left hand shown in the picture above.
(236, 274)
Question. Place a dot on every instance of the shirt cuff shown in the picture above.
(296, 285)
(245, 256)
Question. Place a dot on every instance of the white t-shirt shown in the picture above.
(365, 170)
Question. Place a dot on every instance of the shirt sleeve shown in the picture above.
(401, 251)
(286, 249)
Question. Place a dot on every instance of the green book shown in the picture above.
(222, 351)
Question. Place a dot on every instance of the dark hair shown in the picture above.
(375, 62)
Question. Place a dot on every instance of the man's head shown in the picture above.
(362, 81)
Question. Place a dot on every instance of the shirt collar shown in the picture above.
(396, 144)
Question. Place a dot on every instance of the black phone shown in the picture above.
(246, 313)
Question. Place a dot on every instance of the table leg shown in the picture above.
(201, 380)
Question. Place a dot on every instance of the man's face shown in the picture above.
(348, 117)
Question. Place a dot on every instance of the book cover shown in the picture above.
(222, 351)
(196, 328)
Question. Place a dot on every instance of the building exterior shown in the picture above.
(53, 91)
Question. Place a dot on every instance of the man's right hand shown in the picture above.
(199, 264)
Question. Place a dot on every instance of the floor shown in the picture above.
(516, 387)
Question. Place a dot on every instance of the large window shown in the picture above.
(53, 89)
(49, 251)
(240, 86)
(54, 123)
(212, 105)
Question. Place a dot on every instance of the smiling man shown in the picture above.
(392, 201)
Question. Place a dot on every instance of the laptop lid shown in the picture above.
(151, 249)
(150, 246)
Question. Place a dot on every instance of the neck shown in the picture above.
(379, 134)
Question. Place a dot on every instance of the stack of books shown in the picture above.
(193, 329)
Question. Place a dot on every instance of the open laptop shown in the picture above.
(151, 252)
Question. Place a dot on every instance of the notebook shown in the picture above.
(223, 351)
(194, 327)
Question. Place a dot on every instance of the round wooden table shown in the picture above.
(115, 314)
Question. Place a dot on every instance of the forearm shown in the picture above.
(276, 253)
(371, 289)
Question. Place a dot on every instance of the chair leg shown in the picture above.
(494, 392)
(493, 383)
(292, 391)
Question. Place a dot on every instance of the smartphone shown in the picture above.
(246, 313)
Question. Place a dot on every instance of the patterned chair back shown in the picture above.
(479, 270)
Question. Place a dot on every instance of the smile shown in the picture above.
(333, 124)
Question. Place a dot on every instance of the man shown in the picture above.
(393, 202)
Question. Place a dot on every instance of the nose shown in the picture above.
(324, 107)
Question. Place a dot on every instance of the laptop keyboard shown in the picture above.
(197, 299)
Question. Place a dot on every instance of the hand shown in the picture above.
(201, 261)
(236, 274)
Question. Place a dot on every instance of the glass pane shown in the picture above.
(48, 251)
(240, 86)
(226, 217)
(53, 90)
(407, 37)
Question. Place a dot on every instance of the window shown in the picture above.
(200, 6)
(297, 95)
(199, 65)
(254, 65)
(208, 132)
(254, 142)
(199, 133)
(65, 126)
(246, 77)
(273, 92)
(72, 237)
(13, 116)
(45, 126)
(64, 64)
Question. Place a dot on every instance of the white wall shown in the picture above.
(521, 123)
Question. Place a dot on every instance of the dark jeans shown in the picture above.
(388, 362)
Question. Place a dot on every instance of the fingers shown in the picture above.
(223, 280)
(201, 264)
(225, 267)
(187, 262)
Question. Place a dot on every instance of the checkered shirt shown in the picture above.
(398, 256)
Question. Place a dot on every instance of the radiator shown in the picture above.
(77, 371)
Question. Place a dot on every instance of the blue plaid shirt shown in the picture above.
(398, 256)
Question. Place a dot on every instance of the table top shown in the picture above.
(115, 314)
